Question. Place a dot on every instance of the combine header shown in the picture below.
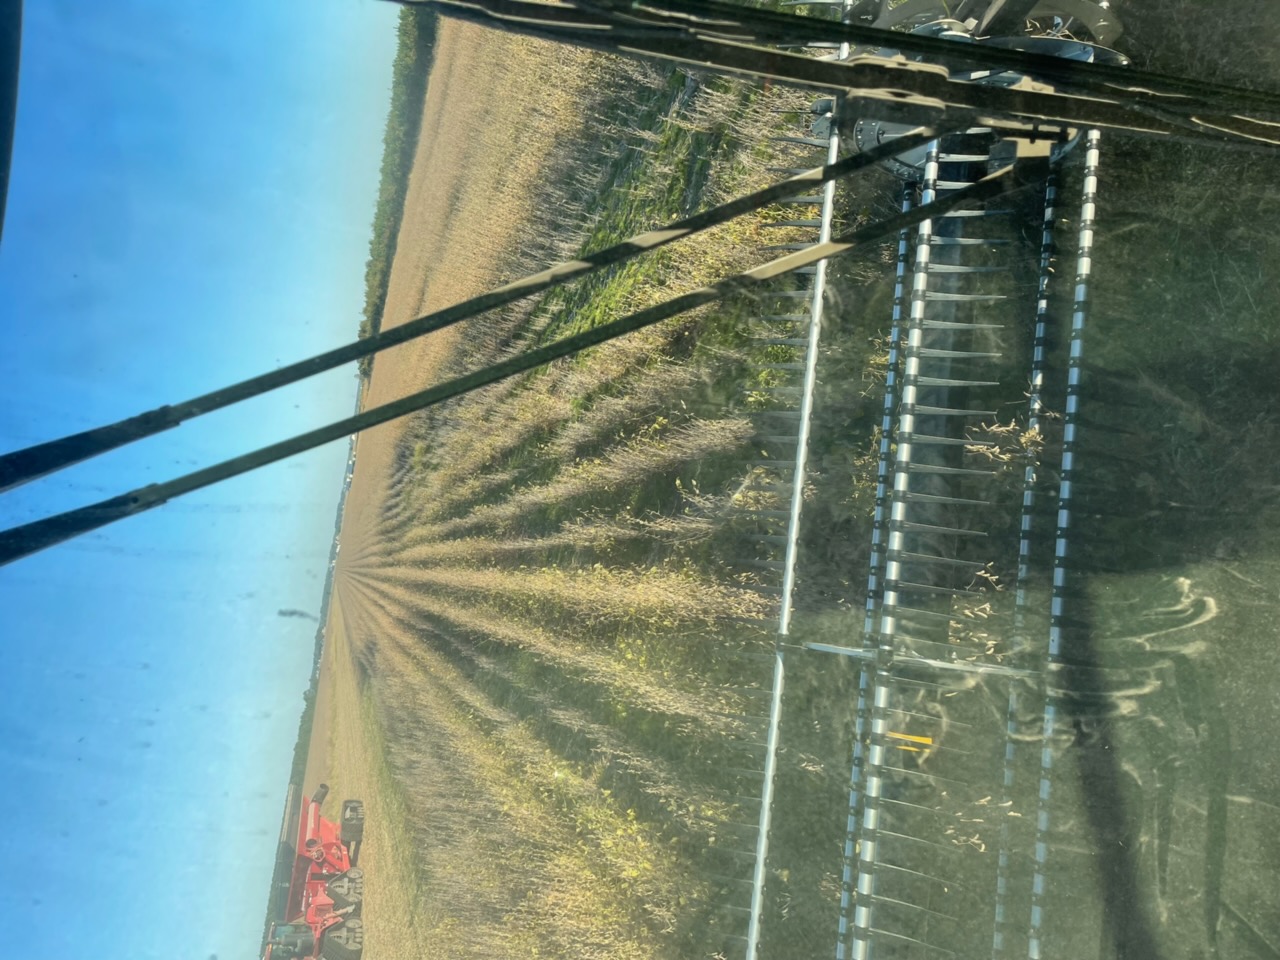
(321, 915)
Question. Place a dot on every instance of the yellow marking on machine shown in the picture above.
(927, 741)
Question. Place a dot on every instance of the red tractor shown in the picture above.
(321, 916)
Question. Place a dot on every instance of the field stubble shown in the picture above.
(560, 635)
(566, 703)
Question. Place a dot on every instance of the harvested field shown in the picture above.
(550, 660)
(588, 815)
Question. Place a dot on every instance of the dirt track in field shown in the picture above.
(448, 245)
(345, 755)
(471, 189)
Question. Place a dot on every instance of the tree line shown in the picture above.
(417, 35)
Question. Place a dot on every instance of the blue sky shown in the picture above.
(190, 203)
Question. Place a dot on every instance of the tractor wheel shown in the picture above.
(343, 942)
(347, 890)
(352, 821)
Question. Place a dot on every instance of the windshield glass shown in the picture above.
(882, 563)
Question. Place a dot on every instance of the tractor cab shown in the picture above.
(290, 941)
